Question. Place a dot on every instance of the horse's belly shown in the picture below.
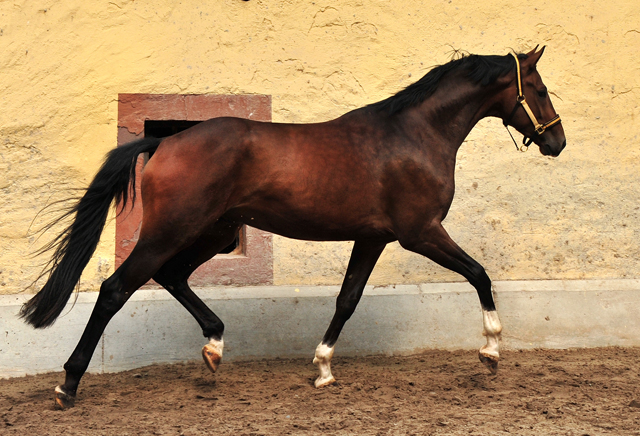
(318, 228)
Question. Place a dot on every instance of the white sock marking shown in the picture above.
(323, 360)
(492, 329)
(218, 345)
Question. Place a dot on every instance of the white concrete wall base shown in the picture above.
(277, 321)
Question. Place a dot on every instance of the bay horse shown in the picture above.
(377, 174)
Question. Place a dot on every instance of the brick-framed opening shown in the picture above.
(252, 264)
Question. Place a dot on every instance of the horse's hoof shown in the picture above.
(322, 382)
(64, 400)
(212, 357)
(490, 362)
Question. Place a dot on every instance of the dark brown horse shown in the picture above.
(375, 175)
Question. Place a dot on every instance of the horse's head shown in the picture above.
(533, 114)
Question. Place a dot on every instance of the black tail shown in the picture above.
(75, 245)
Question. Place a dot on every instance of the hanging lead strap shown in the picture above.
(526, 141)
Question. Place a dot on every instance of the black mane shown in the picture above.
(482, 70)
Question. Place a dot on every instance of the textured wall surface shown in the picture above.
(523, 216)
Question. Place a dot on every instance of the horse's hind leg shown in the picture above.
(438, 246)
(173, 277)
(363, 258)
(136, 270)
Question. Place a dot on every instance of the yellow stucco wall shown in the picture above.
(523, 216)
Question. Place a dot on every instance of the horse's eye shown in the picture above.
(542, 93)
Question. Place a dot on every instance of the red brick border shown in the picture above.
(255, 265)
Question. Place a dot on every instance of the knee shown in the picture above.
(479, 278)
(111, 297)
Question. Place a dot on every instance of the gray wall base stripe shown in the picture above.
(289, 321)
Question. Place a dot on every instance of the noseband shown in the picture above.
(522, 101)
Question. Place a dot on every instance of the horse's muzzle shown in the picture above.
(553, 151)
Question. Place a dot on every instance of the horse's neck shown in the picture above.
(454, 109)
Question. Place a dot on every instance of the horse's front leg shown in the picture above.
(438, 246)
(363, 258)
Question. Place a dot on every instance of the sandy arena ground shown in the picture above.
(538, 392)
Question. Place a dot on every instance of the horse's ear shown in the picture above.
(533, 57)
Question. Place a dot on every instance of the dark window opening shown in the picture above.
(161, 129)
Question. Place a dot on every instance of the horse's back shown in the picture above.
(308, 181)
